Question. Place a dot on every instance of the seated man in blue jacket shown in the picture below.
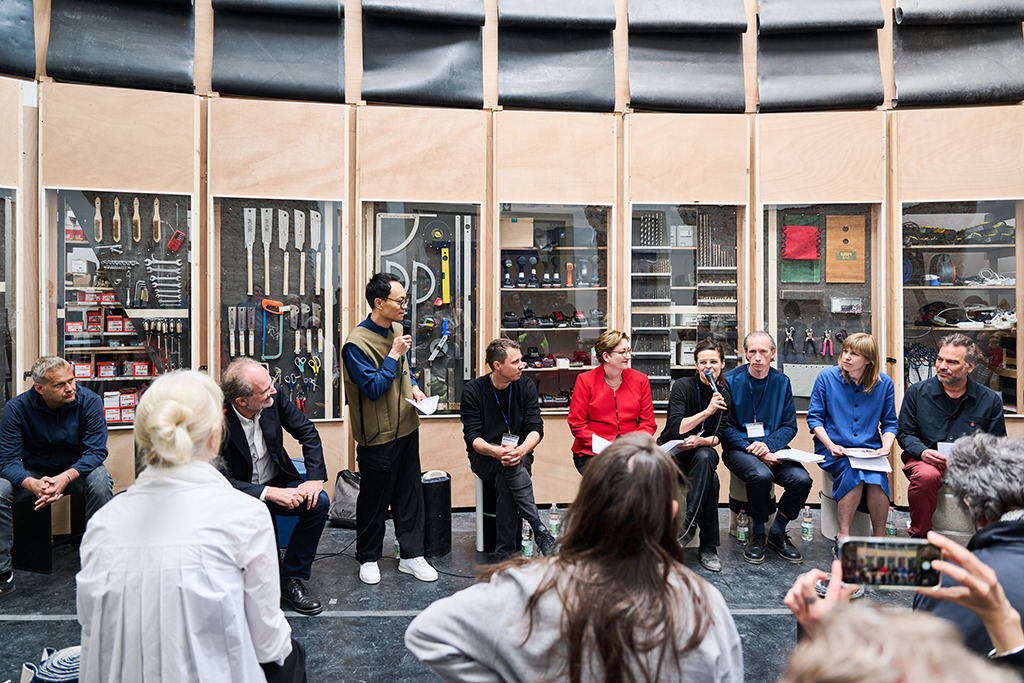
(257, 416)
(762, 421)
(53, 440)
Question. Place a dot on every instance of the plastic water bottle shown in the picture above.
(742, 527)
(527, 540)
(398, 550)
(553, 520)
(807, 525)
(890, 524)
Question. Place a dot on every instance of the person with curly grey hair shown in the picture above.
(987, 473)
(179, 578)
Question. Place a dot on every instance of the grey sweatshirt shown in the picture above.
(477, 635)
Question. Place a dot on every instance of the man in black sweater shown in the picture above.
(697, 411)
(501, 424)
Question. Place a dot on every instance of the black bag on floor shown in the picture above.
(343, 503)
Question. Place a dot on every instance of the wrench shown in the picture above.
(165, 278)
(114, 248)
(157, 269)
(158, 262)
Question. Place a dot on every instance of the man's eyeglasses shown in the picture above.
(403, 302)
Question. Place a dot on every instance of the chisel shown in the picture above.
(282, 242)
(300, 239)
(249, 226)
(314, 245)
(252, 329)
(232, 316)
(267, 224)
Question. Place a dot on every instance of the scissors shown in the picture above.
(290, 380)
(315, 365)
(300, 363)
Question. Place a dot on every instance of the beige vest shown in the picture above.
(390, 417)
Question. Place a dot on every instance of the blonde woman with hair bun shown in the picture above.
(179, 578)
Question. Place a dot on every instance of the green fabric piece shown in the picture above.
(791, 270)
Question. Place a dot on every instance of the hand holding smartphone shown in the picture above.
(892, 563)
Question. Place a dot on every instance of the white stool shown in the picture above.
(951, 518)
(738, 501)
(861, 524)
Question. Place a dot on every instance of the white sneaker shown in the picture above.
(369, 573)
(419, 568)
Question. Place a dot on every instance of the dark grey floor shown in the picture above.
(359, 636)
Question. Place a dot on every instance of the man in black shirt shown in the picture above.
(697, 411)
(501, 424)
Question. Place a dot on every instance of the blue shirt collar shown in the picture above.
(374, 327)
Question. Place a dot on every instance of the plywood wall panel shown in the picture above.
(554, 157)
(688, 158)
(966, 153)
(820, 156)
(262, 148)
(116, 138)
(421, 154)
(11, 139)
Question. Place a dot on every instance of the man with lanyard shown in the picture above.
(502, 425)
(935, 413)
(762, 421)
(697, 411)
(378, 388)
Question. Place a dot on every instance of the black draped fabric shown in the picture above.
(819, 55)
(17, 39)
(132, 43)
(287, 49)
(948, 52)
(423, 52)
(686, 55)
(556, 55)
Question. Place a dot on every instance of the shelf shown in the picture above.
(684, 367)
(547, 329)
(571, 367)
(659, 378)
(651, 274)
(923, 287)
(637, 247)
(93, 349)
(654, 302)
(699, 268)
(552, 289)
(535, 250)
(687, 288)
(946, 247)
(651, 354)
(94, 304)
(717, 285)
(662, 330)
(959, 329)
(113, 379)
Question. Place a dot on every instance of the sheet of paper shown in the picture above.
(671, 447)
(600, 443)
(428, 406)
(798, 456)
(864, 453)
(870, 464)
(944, 448)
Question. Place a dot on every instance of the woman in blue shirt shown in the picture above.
(853, 406)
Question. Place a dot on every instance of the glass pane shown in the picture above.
(432, 250)
(683, 287)
(554, 290)
(818, 262)
(959, 275)
(124, 303)
(280, 287)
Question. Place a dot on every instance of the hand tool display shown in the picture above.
(286, 314)
(125, 303)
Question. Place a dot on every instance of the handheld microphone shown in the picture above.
(710, 377)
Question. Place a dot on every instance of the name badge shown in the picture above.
(509, 440)
(755, 430)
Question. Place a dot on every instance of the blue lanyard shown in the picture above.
(750, 388)
(508, 427)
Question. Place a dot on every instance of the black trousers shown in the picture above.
(700, 465)
(760, 478)
(513, 499)
(389, 476)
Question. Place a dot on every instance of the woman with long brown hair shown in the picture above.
(616, 604)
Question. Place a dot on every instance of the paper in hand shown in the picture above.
(428, 406)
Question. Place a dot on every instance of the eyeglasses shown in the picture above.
(403, 302)
(627, 352)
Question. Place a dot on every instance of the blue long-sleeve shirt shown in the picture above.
(851, 417)
(34, 437)
(370, 379)
(768, 401)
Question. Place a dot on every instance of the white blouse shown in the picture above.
(180, 582)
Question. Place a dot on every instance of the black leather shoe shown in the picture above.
(780, 543)
(294, 595)
(754, 552)
(546, 543)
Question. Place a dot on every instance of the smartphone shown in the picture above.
(896, 563)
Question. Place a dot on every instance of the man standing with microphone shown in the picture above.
(697, 414)
(378, 388)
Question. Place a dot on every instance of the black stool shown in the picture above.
(33, 534)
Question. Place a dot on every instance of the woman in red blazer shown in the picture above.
(610, 400)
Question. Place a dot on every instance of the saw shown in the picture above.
(300, 240)
(249, 227)
(282, 242)
(314, 245)
(267, 233)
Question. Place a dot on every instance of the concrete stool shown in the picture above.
(32, 547)
(738, 501)
(951, 518)
(861, 524)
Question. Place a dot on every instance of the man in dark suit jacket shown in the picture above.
(256, 416)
